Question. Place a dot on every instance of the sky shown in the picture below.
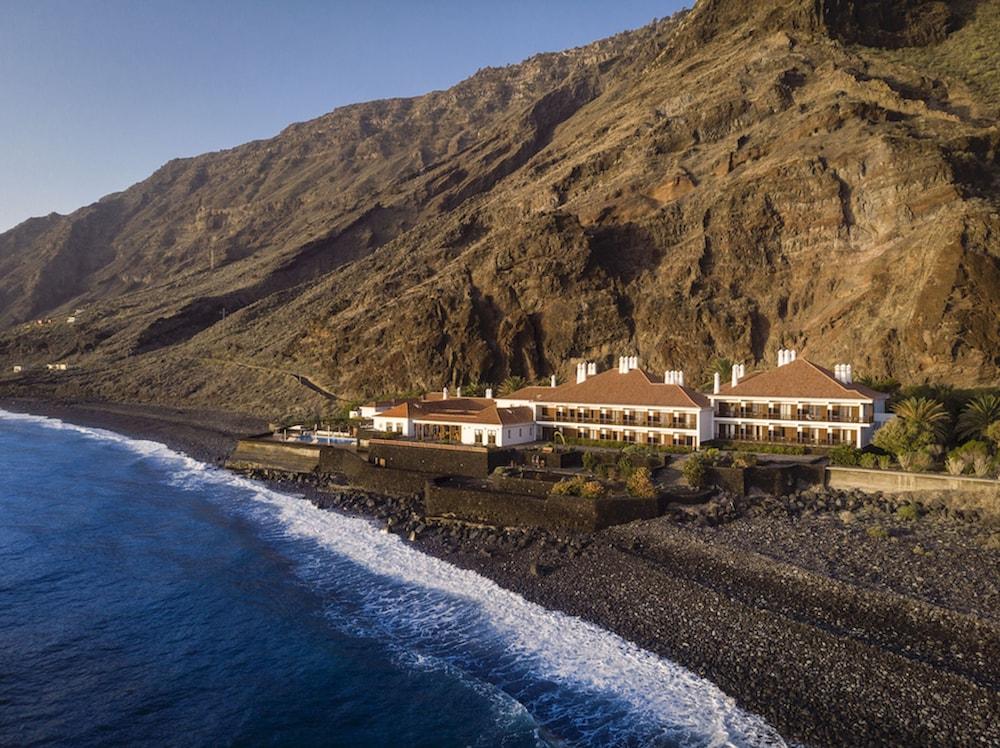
(95, 95)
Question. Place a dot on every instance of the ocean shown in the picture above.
(149, 599)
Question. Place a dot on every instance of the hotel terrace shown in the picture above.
(796, 403)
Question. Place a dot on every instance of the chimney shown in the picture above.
(666, 377)
(633, 363)
(552, 380)
(717, 383)
(581, 372)
(791, 355)
(444, 394)
(850, 374)
(489, 393)
(736, 374)
(458, 391)
(680, 378)
(621, 364)
(591, 368)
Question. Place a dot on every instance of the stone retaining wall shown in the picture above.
(478, 503)
(363, 474)
(287, 456)
(892, 481)
(438, 459)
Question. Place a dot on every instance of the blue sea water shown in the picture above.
(146, 598)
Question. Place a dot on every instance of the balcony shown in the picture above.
(616, 419)
(817, 416)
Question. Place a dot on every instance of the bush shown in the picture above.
(845, 455)
(992, 433)
(744, 459)
(694, 470)
(916, 462)
(640, 483)
(590, 461)
(868, 461)
(884, 462)
(908, 512)
(579, 486)
(625, 467)
(955, 464)
(982, 465)
(877, 531)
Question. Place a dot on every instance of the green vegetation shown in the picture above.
(744, 459)
(877, 531)
(908, 512)
(590, 461)
(762, 447)
(884, 462)
(579, 486)
(845, 455)
(640, 483)
(992, 433)
(970, 54)
(977, 416)
(694, 469)
(868, 461)
(668, 448)
(512, 384)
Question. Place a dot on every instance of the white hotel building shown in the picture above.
(796, 403)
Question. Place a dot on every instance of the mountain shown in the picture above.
(742, 177)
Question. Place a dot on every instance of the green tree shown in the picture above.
(901, 436)
(925, 413)
(694, 470)
(512, 384)
(978, 414)
(640, 483)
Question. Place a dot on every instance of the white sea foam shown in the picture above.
(557, 665)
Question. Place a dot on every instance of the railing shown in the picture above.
(763, 415)
(610, 420)
(803, 439)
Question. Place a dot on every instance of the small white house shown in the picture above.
(18, 368)
(56, 367)
(476, 421)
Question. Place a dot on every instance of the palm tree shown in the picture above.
(512, 384)
(977, 414)
(925, 413)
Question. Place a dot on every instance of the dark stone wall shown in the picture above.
(477, 503)
(776, 480)
(473, 462)
(729, 479)
(363, 474)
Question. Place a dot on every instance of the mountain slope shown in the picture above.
(730, 181)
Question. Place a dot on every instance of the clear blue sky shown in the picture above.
(96, 94)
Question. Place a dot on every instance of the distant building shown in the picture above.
(18, 368)
(56, 367)
(798, 402)
(71, 320)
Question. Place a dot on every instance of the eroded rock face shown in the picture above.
(728, 182)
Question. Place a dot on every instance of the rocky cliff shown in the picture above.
(733, 180)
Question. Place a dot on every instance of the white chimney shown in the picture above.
(489, 393)
(444, 394)
(552, 380)
(717, 383)
(781, 357)
(591, 368)
(736, 374)
(621, 364)
(850, 374)
(581, 372)
(634, 364)
(458, 391)
(680, 378)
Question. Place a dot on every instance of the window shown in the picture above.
(491, 437)
(478, 436)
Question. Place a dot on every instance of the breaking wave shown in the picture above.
(581, 684)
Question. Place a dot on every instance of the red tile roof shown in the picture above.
(614, 388)
(460, 410)
(800, 378)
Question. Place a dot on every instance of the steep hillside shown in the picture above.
(733, 180)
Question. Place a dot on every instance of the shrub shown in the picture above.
(992, 433)
(604, 471)
(640, 483)
(624, 467)
(868, 461)
(744, 459)
(978, 415)
(955, 464)
(590, 461)
(844, 455)
(694, 470)
(916, 462)
(982, 465)
(908, 512)
(884, 462)
(877, 531)
(900, 436)
(579, 486)
(593, 489)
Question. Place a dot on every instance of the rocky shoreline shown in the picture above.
(815, 610)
